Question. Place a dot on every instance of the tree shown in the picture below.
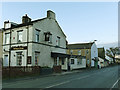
(111, 52)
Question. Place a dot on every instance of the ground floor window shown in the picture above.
(79, 61)
(6, 61)
(37, 54)
(72, 61)
(19, 58)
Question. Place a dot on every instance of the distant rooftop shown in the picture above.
(80, 45)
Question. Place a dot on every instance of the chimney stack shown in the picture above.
(51, 14)
(26, 19)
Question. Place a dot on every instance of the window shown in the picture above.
(37, 57)
(37, 36)
(71, 51)
(7, 25)
(79, 52)
(62, 61)
(7, 38)
(6, 61)
(72, 61)
(19, 58)
(87, 52)
(79, 61)
(19, 36)
(48, 36)
(58, 41)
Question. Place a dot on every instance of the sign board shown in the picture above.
(19, 48)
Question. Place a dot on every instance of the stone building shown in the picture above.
(32, 43)
(89, 50)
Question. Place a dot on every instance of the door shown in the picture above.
(6, 62)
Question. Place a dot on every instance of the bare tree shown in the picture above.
(111, 52)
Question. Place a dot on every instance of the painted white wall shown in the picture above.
(94, 53)
(45, 48)
(78, 66)
(101, 62)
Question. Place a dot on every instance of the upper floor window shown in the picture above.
(48, 36)
(37, 35)
(20, 36)
(58, 41)
(71, 51)
(7, 38)
(79, 52)
(87, 51)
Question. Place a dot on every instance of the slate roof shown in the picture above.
(80, 45)
(24, 24)
(31, 23)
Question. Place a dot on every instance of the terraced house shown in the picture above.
(34, 43)
(89, 50)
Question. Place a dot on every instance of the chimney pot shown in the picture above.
(26, 19)
(51, 14)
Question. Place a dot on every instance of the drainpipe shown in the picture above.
(10, 54)
(27, 42)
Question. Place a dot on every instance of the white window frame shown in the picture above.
(58, 41)
(7, 38)
(73, 61)
(37, 35)
(19, 60)
(37, 57)
(20, 35)
(79, 52)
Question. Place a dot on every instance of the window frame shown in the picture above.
(79, 52)
(18, 36)
(37, 61)
(37, 35)
(48, 36)
(58, 41)
(72, 59)
(7, 38)
(19, 62)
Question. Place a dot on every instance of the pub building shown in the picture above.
(31, 43)
(39, 42)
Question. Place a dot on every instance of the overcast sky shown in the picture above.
(80, 21)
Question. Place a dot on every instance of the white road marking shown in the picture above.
(114, 84)
(57, 84)
(72, 80)
(68, 81)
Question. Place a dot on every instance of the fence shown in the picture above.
(20, 71)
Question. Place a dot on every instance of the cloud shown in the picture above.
(108, 45)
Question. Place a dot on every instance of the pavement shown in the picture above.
(95, 78)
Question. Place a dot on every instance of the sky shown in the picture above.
(80, 21)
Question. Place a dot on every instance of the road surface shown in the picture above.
(96, 78)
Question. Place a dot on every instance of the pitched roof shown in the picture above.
(31, 23)
(80, 45)
(24, 24)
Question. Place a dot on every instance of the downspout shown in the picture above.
(27, 43)
(10, 54)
